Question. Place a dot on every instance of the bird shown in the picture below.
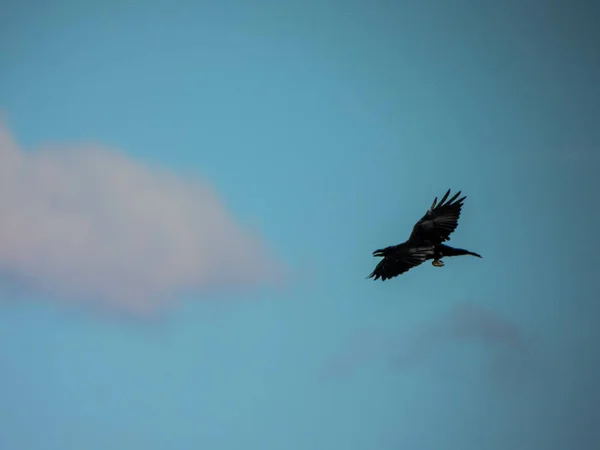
(426, 242)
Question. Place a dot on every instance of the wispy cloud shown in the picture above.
(86, 223)
(505, 344)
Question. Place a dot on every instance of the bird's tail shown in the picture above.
(467, 252)
(446, 250)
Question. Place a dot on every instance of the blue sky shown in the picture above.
(328, 128)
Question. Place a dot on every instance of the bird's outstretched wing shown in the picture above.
(440, 220)
(401, 261)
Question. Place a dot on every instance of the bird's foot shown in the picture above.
(437, 263)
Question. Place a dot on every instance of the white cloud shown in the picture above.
(87, 223)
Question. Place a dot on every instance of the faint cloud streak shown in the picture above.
(504, 343)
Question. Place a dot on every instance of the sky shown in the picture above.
(191, 193)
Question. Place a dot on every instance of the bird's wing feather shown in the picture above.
(440, 220)
(401, 261)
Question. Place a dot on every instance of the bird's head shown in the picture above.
(380, 253)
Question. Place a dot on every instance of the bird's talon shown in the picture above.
(437, 263)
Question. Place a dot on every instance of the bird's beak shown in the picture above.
(378, 253)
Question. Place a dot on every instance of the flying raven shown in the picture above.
(425, 241)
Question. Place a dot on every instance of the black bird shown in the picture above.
(425, 241)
